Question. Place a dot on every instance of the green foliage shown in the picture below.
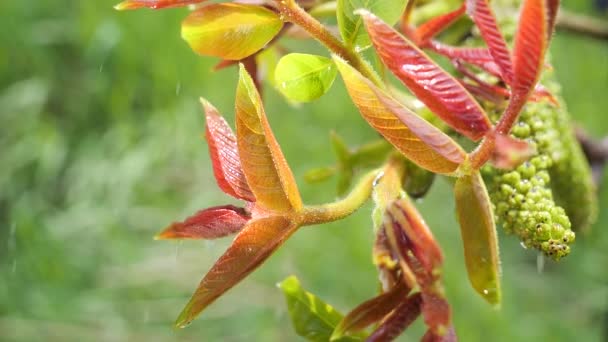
(351, 24)
(312, 318)
(303, 77)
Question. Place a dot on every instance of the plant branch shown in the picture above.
(582, 24)
(292, 12)
(338, 210)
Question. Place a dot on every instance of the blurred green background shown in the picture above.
(100, 147)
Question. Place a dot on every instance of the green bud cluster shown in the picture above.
(523, 197)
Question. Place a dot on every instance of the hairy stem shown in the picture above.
(338, 210)
(292, 12)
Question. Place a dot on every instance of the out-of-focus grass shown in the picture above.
(100, 148)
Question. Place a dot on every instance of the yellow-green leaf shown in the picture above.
(230, 31)
(303, 77)
(478, 230)
(263, 163)
(417, 139)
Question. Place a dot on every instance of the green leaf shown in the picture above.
(351, 25)
(312, 318)
(230, 31)
(302, 77)
(474, 211)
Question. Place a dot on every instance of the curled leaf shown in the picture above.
(304, 77)
(230, 31)
(211, 223)
(251, 247)
(417, 139)
(474, 211)
(264, 165)
(404, 315)
(224, 155)
(435, 87)
(154, 4)
(370, 311)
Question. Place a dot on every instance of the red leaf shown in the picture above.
(479, 57)
(251, 247)
(436, 88)
(529, 56)
(431, 28)
(449, 336)
(224, 155)
(483, 17)
(154, 4)
(404, 315)
(552, 9)
(370, 311)
(210, 223)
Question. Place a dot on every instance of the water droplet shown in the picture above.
(486, 292)
(378, 178)
(523, 245)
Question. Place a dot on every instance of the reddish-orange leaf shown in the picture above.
(479, 57)
(417, 139)
(264, 165)
(431, 336)
(370, 311)
(210, 223)
(510, 152)
(404, 315)
(552, 9)
(251, 247)
(154, 4)
(529, 56)
(421, 241)
(441, 92)
(431, 28)
(224, 155)
(484, 19)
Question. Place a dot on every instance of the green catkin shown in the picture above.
(523, 197)
(572, 183)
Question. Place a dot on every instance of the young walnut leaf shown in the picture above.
(230, 31)
(154, 4)
(264, 165)
(529, 56)
(312, 318)
(439, 91)
(370, 311)
(417, 139)
(251, 247)
(401, 318)
(431, 28)
(351, 25)
(302, 77)
(474, 211)
(210, 223)
(484, 19)
(224, 155)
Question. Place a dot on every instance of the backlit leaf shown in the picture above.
(479, 57)
(370, 311)
(302, 77)
(436, 88)
(154, 4)
(351, 26)
(483, 17)
(251, 247)
(417, 139)
(434, 26)
(312, 318)
(230, 31)
(210, 223)
(224, 155)
(478, 231)
(264, 165)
